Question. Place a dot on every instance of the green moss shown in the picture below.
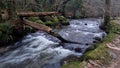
(63, 20)
(33, 18)
(73, 65)
(55, 19)
(49, 23)
(39, 21)
(48, 18)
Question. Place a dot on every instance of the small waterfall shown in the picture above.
(41, 50)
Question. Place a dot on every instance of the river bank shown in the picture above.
(101, 56)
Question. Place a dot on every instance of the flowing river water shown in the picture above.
(41, 50)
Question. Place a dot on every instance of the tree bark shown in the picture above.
(27, 14)
(107, 12)
(37, 26)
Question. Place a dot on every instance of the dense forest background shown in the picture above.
(74, 8)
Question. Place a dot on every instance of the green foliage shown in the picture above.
(73, 65)
(6, 30)
(113, 27)
(6, 27)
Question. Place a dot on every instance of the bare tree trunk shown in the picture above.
(107, 12)
(37, 26)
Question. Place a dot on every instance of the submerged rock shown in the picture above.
(83, 31)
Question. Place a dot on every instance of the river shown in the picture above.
(41, 50)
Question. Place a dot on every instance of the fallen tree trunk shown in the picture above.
(37, 26)
(46, 29)
(27, 14)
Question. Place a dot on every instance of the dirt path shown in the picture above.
(114, 47)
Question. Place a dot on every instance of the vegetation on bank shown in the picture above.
(99, 52)
(50, 20)
(12, 30)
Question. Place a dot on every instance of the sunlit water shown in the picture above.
(41, 50)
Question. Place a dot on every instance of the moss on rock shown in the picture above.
(48, 18)
(55, 19)
(49, 23)
(33, 18)
(40, 22)
(63, 20)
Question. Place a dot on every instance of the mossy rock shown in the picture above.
(48, 18)
(33, 18)
(49, 23)
(40, 22)
(55, 19)
(63, 20)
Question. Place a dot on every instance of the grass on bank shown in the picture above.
(100, 51)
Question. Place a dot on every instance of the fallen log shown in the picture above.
(46, 29)
(28, 14)
(37, 26)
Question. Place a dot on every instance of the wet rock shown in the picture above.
(97, 38)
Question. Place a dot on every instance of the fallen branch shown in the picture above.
(46, 29)
(37, 26)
